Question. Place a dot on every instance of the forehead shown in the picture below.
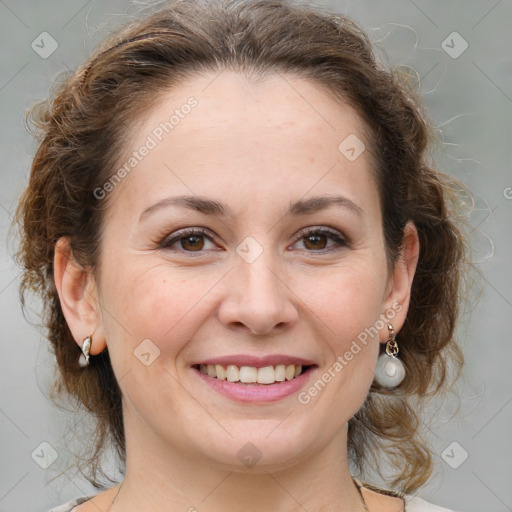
(281, 132)
(286, 102)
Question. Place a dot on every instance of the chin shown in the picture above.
(260, 451)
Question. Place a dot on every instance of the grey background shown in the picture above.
(470, 99)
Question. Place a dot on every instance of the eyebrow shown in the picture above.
(211, 207)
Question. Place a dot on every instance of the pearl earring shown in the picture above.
(390, 371)
(86, 349)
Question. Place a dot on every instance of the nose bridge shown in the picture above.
(261, 279)
(254, 267)
(258, 296)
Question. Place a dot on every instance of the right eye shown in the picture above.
(189, 240)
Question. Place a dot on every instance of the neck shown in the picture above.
(160, 477)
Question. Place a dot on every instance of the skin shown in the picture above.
(255, 147)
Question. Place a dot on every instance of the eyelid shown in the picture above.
(316, 229)
(336, 235)
(177, 235)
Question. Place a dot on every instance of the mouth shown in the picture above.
(252, 375)
(255, 379)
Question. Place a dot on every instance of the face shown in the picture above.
(244, 237)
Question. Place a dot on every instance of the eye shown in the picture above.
(317, 239)
(196, 240)
(188, 240)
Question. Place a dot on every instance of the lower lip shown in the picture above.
(251, 393)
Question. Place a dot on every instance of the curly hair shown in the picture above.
(83, 128)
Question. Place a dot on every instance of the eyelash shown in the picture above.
(341, 242)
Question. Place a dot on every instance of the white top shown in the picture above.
(412, 504)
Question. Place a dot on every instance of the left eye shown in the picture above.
(318, 239)
(196, 240)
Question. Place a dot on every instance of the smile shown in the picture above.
(251, 374)
(255, 384)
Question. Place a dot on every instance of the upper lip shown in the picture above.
(256, 361)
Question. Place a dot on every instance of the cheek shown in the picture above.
(349, 304)
(152, 301)
(349, 309)
(348, 298)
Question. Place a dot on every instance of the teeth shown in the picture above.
(266, 375)
(248, 374)
(251, 374)
(221, 372)
(232, 373)
(280, 372)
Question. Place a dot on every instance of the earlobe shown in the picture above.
(402, 277)
(78, 296)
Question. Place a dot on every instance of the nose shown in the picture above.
(258, 298)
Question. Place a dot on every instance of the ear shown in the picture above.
(400, 284)
(78, 297)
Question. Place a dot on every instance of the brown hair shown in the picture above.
(82, 131)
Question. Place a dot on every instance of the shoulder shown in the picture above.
(94, 503)
(67, 507)
(373, 498)
(414, 504)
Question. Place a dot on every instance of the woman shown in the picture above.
(249, 268)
